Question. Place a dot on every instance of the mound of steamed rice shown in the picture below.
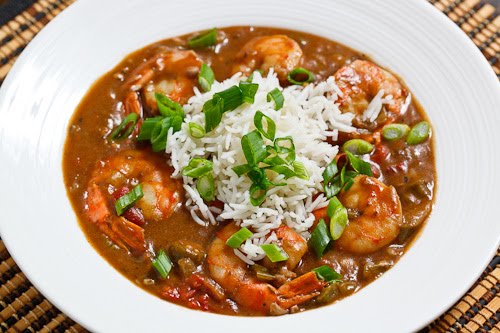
(309, 115)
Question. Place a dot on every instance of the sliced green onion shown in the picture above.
(330, 171)
(327, 274)
(278, 98)
(258, 177)
(206, 39)
(238, 238)
(267, 128)
(128, 200)
(262, 273)
(248, 91)
(125, 128)
(333, 205)
(282, 170)
(419, 133)
(338, 222)
(300, 170)
(206, 77)
(197, 167)
(285, 146)
(257, 194)
(300, 76)
(359, 165)
(162, 264)
(393, 132)
(333, 187)
(232, 97)
(147, 128)
(274, 252)
(240, 170)
(320, 238)
(206, 187)
(213, 110)
(196, 130)
(358, 147)
(253, 148)
(167, 107)
(159, 135)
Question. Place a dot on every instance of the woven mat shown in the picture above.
(24, 309)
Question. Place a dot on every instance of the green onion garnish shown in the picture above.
(238, 238)
(196, 130)
(359, 165)
(419, 133)
(274, 252)
(282, 170)
(232, 97)
(206, 39)
(333, 187)
(285, 145)
(206, 77)
(240, 170)
(162, 264)
(253, 148)
(327, 274)
(320, 238)
(197, 167)
(159, 135)
(206, 187)
(338, 218)
(300, 170)
(125, 128)
(330, 171)
(257, 194)
(128, 200)
(358, 147)
(264, 125)
(147, 128)
(213, 110)
(393, 132)
(300, 76)
(167, 107)
(248, 91)
(278, 98)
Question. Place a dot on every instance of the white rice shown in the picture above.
(309, 116)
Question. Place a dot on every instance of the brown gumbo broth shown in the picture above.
(89, 155)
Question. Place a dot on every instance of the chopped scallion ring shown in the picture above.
(253, 148)
(300, 76)
(128, 200)
(300, 170)
(213, 109)
(232, 98)
(320, 238)
(257, 194)
(125, 128)
(162, 264)
(285, 146)
(278, 98)
(330, 171)
(167, 107)
(197, 167)
(358, 147)
(240, 170)
(338, 218)
(196, 130)
(264, 125)
(248, 91)
(147, 128)
(206, 187)
(206, 39)
(333, 205)
(327, 274)
(238, 238)
(419, 133)
(359, 165)
(393, 132)
(274, 252)
(206, 77)
(159, 135)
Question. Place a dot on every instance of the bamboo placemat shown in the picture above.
(24, 309)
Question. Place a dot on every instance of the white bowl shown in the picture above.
(442, 67)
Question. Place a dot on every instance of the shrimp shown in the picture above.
(232, 274)
(375, 215)
(116, 176)
(360, 81)
(177, 71)
(279, 52)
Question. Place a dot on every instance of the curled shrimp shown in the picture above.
(233, 275)
(116, 176)
(279, 52)
(360, 81)
(173, 73)
(375, 215)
